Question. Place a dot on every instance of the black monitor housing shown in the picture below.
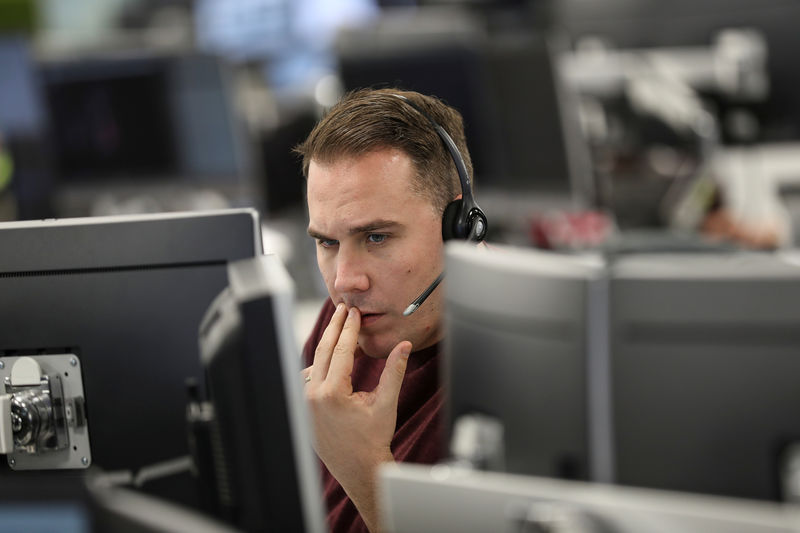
(265, 476)
(120, 299)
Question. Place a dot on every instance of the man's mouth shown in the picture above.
(367, 319)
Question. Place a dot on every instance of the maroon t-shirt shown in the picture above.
(418, 434)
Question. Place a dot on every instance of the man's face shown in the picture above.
(379, 245)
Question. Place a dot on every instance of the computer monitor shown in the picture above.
(125, 296)
(110, 120)
(145, 132)
(704, 363)
(453, 500)
(143, 118)
(525, 340)
(267, 476)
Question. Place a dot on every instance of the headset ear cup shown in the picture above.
(450, 219)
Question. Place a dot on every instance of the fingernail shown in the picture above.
(340, 306)
(352, 312)
(405, 351)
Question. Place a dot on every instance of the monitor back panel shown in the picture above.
(704, 366)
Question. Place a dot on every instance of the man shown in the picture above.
(379, 179)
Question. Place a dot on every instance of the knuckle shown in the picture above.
(340, 350)
(322, 356)
(319, 397)
(327, 395)
(340, 384)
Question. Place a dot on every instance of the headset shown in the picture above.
(462, 218)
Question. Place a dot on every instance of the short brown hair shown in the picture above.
(366, 120)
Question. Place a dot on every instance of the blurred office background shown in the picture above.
(615, 123)
(594, 125)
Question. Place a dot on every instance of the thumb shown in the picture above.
(388, 389)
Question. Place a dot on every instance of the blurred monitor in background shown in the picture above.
(112, 121)
(669, 371)
(524, 338)
(156, 128)
(704, 360)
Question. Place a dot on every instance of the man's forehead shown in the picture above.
(385, 175)
(349, 195)
(391, 162)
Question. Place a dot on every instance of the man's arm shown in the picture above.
(353, 430)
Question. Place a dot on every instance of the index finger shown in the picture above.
(344, 353)
(322, 355)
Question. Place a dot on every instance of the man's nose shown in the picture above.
(351, 274)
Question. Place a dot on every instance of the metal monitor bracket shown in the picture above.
(42, 413)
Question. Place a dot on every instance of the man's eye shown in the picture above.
(376, 238)
(327, 243)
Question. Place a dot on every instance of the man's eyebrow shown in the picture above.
(374, 225)
(317, 235)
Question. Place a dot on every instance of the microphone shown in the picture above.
(424, 296)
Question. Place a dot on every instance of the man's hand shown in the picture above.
(353, 430)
